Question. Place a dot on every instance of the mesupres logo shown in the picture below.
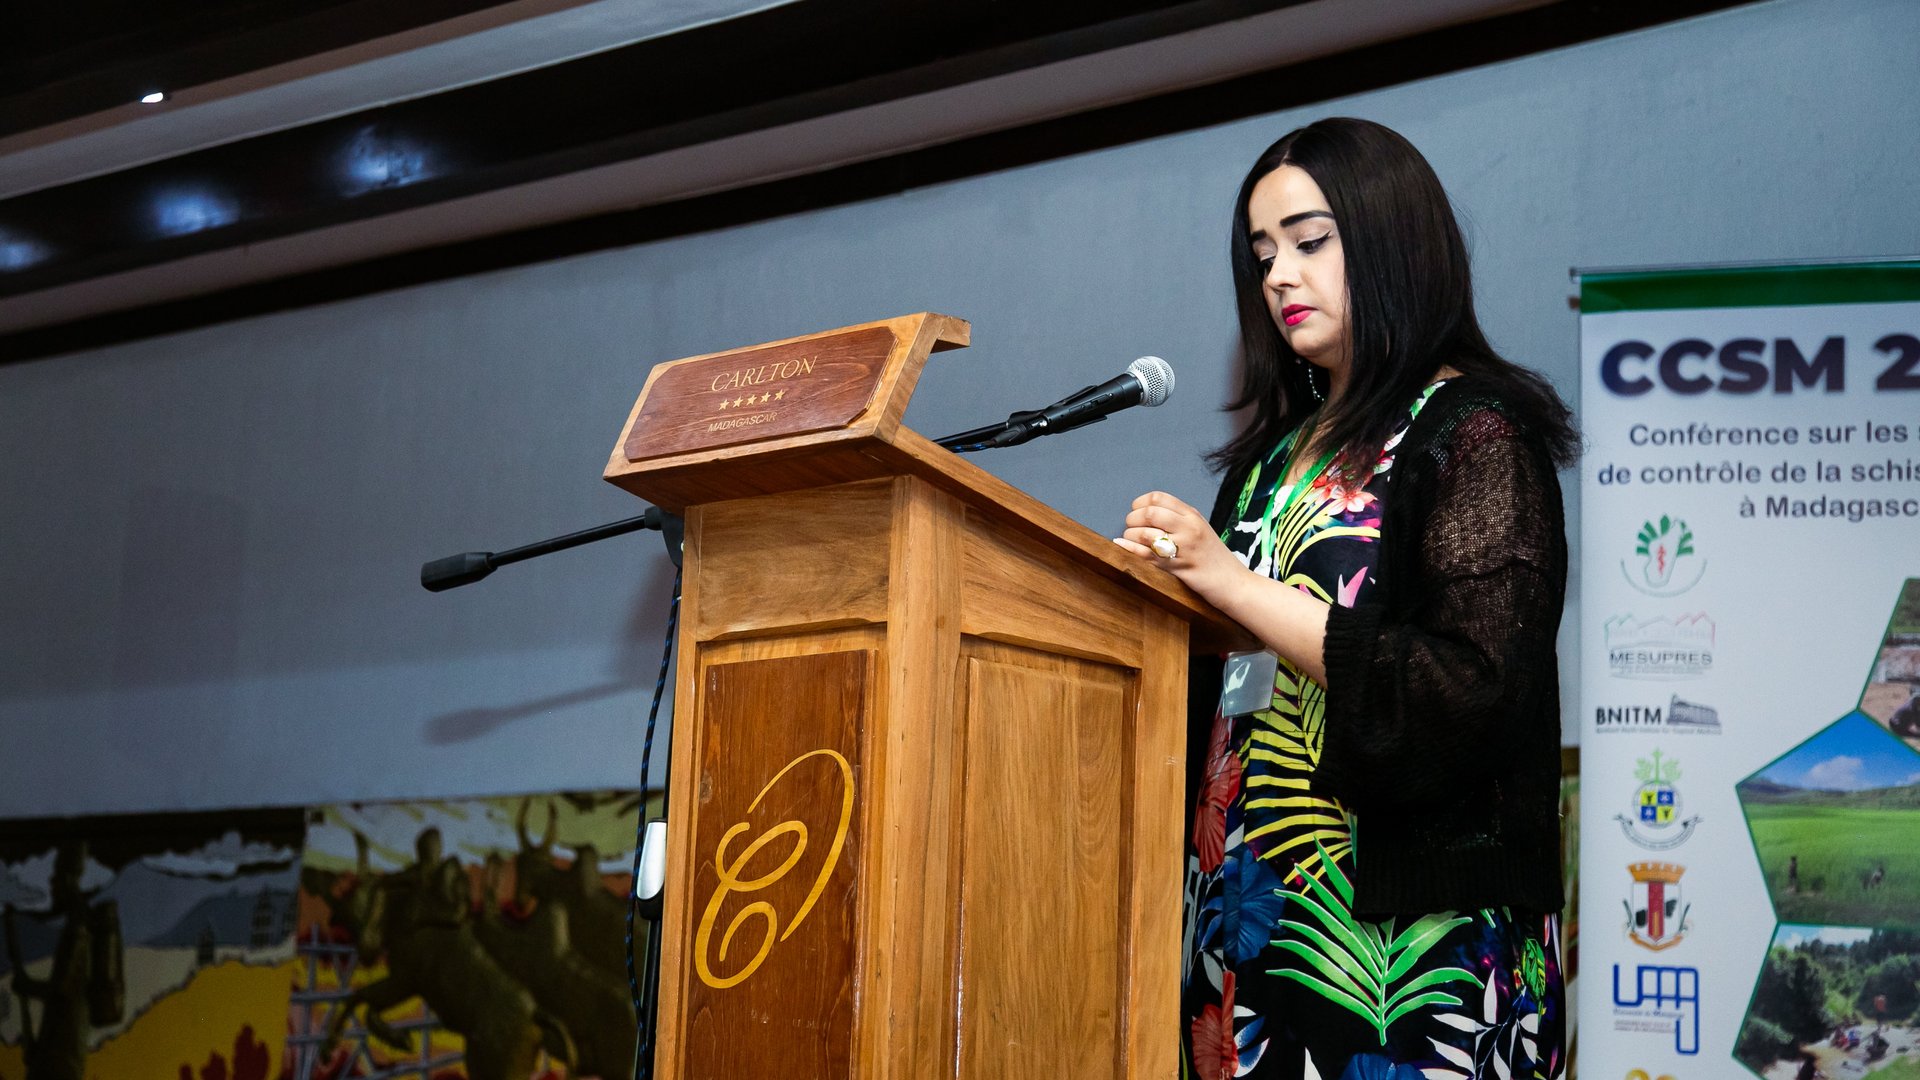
(1677, 717)
(1660, 647)
(1660, 999)
(1656, 917)
(1656, 822)
(1664, 560)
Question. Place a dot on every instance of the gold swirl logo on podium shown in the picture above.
(731, 882)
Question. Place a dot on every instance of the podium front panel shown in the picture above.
(1043, 935)
(770, 978)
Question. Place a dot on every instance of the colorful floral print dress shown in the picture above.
(1279, 978)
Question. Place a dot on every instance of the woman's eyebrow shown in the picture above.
(1294, 219)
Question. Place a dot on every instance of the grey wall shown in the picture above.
(210, 540)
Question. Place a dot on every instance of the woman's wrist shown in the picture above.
(1222, 582)
(1231, 588)
(1284, 619)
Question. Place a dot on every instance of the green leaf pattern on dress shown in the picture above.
(1356, 964)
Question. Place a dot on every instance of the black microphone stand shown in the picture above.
(1012, 431)
(470, 566)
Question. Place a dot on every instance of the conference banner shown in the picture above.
(1750, 659)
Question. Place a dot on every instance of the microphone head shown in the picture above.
(1156, 379)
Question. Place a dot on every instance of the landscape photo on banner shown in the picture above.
(1892, 697)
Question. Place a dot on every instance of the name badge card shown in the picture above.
(1246, 684)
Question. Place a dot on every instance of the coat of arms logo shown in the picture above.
(1656, 918)
(1656, 823)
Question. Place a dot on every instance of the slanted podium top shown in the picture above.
(834, 387)
(825, 409)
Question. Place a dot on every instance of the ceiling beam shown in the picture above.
(712, 178)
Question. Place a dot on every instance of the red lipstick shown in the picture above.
(1292, 314)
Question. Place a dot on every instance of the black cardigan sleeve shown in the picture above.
(1441, 680)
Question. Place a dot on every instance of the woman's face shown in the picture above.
(1305, 273)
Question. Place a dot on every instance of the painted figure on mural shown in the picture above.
(85, 986)
(595, 917)
(562, 933)
(434, 889)
(407, 917)
(494, 930)
(1373, 874)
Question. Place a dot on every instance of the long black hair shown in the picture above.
(1409, 303)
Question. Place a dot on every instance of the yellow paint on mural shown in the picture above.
(199, 1020)
(13, 1062)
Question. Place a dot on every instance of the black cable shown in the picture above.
(640, 831)
(643, 1051)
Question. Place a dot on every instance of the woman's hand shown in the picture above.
(1197, 558)
(1286, 620)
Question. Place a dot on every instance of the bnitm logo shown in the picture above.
(1656, 822)
(1660, 999)
(1677, 717)
(1660, 648)
(1656, 919)
(1664, 562)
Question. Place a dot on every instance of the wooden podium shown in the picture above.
(928, 740)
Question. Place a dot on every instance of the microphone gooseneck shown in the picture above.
(1147, 381)
(468, 567)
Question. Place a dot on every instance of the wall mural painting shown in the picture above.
(480, 938)
(437, 940)
(152, 945)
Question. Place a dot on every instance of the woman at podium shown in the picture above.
(1373, 876)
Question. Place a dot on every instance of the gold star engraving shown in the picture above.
(764, 398)
(723, 403)
(736, 403)
(779, 395)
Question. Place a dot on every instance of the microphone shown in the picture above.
(1147, 381)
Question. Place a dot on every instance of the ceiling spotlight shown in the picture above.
(192, 209)
(154, 98)
(19, 252)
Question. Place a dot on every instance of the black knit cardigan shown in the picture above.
(1442, 727)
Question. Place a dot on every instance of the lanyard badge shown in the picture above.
(1246, 684)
